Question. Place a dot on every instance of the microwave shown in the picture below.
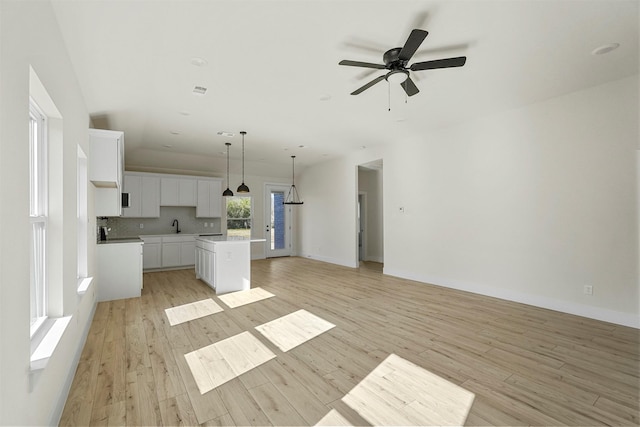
(125, 200)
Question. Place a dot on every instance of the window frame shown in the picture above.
(38, 216)
(249, 219)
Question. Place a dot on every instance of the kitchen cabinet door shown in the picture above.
(186, 192)
(133, 186)
(150, 197)
(151, 255)
(169, 192)
(177, 192)
(209, 199)
(171, 254)
(188, 253)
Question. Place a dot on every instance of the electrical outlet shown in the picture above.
(401, 209)
(206, 224)
(588, 290)
(141, 226)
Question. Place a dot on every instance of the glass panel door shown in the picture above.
(278, 227)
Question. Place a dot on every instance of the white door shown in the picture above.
(277, 221)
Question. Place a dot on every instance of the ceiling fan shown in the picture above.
(396, 60)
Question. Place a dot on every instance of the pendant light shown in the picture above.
(292, 197)
(227, 192)
(242, 188)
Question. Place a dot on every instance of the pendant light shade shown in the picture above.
(227, 192)
(292, 197)
(242, 188)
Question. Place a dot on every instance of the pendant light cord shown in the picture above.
(228, 164)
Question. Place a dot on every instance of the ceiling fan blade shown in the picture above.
(439, 63)
(361, 64)
(412, 44)
(368, 85)
(409, 87)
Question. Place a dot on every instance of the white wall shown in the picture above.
(30, 36)
(528, 205)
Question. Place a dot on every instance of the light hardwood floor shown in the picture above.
(523, 365)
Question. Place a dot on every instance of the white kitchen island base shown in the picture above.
(225, 265)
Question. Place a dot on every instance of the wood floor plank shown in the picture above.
(525, 365)
(275, 406)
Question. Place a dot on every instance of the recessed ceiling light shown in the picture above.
(400, 119)
(199, 90)
(325, 97)
(174, 132)
(167, 145)
(301, 146)
(185, 113)
(227, 134)
(198, 62)
(605, 48)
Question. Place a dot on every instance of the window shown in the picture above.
(82, 214)
(38, 215)
(239, 217)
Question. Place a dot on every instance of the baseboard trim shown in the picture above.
(597, 313)
(328, 260)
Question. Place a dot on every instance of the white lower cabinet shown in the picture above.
(204, 266)
(119, 270)
(224, 265)
(171, 254)
(151, 252)
(188, 252)
(169, 251)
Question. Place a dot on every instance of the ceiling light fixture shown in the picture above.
(227, 134)
(242, 188)
(397, 76)
(292, 197)
(227, 192)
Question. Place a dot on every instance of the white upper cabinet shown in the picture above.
(177, 191)
(144, 196)
(106, 164)
(106, 158)
(209, 198)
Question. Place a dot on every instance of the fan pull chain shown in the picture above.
(389, 94)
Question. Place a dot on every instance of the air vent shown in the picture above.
(199, 90)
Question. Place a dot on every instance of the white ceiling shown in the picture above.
(273, 70)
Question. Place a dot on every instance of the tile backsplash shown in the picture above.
(186, 216)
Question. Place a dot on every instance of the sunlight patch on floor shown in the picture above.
(195, 310)
(398, 392)
(334, 418)
(294, 329)
(237, 299)
(225, 360)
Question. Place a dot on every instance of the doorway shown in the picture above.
(369, 213)
(277, 219)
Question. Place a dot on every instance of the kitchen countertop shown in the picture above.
(121, 240)
(228, 240)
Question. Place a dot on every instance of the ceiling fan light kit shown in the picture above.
(396, 61)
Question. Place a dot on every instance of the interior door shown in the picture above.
(277, 221)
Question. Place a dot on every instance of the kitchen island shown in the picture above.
(225, 265)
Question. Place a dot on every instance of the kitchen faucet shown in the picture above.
(177, 224)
